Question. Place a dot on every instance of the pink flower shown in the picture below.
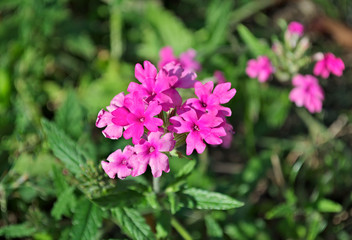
(166, 56)
(140, 116)
(227, 139)
(209, 100)
(150, 152)
(296, 28)
(152, 85)
(118, 163)
(186, 59)
(260, 68)
(219, 77)
(105, 118)
(329, 64)
(206, 127)
(307, 93)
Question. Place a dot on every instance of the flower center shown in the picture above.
(123, 162)
(204, 104)
(141, 119)
(151, 149)
(196, 128)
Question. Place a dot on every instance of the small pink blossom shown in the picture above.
(186, 59)
(206, 127)
(219, 77)
(260, 68)
(209, 100)
(329, 64)
(150, 152)
(118, 163)
(295, 28)
(227, 139)
(140, 116)
(307, 93)
(105, 118)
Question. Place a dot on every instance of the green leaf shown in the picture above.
(186, 170)
(202, 199)
(125, 198)
(327, 205)
(174, 202)
(59, 180)
(163, 224)
(17, 231)
(217, 22)
(63, 204)
(160, 31)
(316, 224)
(70, 116)
(132, 223)
(181, 175)
(64, 148)
(214, 230)
(281, 210)
(86, 220)
(256, 47)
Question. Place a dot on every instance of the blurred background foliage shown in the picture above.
(64, 60)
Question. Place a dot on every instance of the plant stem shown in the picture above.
(156, 184)
(204, 161)
(180, 229)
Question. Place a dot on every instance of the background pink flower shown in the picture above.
(296, 28)
(307, 93)
(329, 64)
(260, 68)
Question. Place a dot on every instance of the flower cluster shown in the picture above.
(154, 115)
(286, 61)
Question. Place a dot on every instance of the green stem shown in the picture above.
(180, 229)
(156, 184)
(204, 161)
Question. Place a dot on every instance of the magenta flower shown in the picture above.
(307, 93)
(166, 56)
(227, 139)
(188, 62)
(209, 100)
(295, 28)
(179, 77)
(150, 152)
(329, 64)
(186, 59)
(260, 68)
(140, 116)
(219, 77)
(118, 163)
(206, 127)
(152, 85)
(113, 128)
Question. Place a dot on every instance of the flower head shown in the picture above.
(150, 152)
(206, 127)
(118, 163)
(260, 68)
(219, 77)
(108, 118)
(307, 93)
(329, 64)
(140, 116)
(295, 28)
